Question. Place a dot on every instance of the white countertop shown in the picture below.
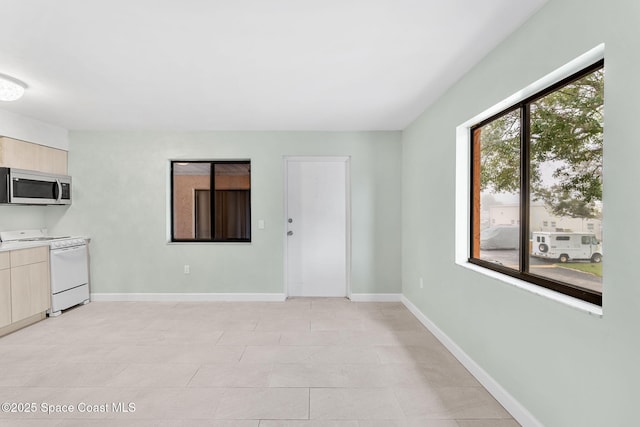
(14, 246)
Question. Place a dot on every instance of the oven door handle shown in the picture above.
(68, 249)
(62, 250)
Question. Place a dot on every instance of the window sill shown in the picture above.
(169, 243)
(575, 303)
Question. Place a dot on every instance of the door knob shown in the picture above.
(290, 220)
(289, 233)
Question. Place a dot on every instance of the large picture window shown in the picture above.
(536, 188)
(211, 201)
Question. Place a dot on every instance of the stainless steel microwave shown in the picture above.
(24, 187)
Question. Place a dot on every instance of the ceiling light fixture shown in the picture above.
(11, 89)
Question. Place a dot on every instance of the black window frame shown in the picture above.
(212, 198)
(522, 273)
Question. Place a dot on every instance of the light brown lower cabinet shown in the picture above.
(5, 297)
(29, 290)
(25, 290)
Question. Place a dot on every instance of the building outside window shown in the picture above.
(211, 201)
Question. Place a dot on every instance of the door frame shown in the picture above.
(347, 169)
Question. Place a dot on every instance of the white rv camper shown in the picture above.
(564, 247)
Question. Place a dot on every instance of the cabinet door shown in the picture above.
(5, 297)
(58, 161)
(50, 160)
(30, 292)
(18, 154)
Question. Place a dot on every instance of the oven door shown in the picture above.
(69, 268)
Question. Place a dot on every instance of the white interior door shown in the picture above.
(317, 226)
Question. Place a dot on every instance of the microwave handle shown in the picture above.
(58, 193)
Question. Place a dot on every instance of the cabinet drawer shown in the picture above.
(29, 256)
(4, 260)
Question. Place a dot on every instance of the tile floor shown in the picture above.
(300, 363)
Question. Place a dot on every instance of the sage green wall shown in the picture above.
(120, 199)
(568, 368)
(22, 217)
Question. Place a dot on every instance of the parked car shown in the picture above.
(564, 246)
(500, 237)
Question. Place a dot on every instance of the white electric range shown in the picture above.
(69, 264)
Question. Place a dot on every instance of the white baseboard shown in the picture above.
(515, 408)
(226, 297)
(376, 297)
(186, 297)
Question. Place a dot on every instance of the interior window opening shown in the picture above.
(211, 201)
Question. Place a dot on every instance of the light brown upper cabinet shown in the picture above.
(26, 155)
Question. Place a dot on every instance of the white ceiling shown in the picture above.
(244, 64)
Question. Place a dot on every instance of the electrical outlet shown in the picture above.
(421, 283)
(187, 269)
